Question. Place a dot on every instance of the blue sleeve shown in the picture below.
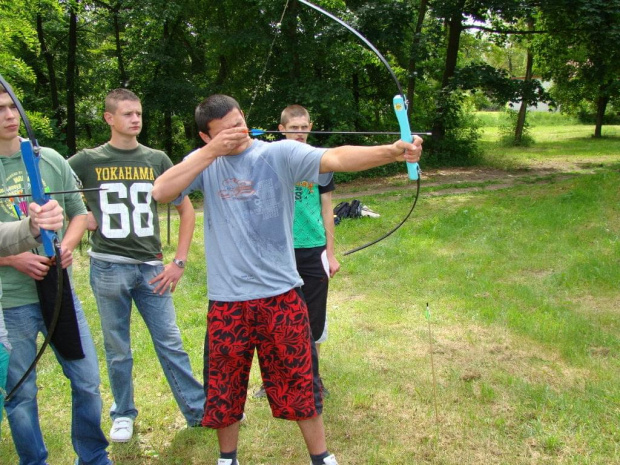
(196, 185)
(329, 186)
(304, 161)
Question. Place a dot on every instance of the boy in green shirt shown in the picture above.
(22, 310)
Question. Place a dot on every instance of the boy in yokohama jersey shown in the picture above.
(127, 260)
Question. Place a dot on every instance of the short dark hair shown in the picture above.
(3, 90)
(214, 107)
(293, 111)
(118, 95)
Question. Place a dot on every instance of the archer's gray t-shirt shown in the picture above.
(248, 218)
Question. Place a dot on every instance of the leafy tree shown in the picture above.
(527, 90)
(581, 53)
(18, 38)
(65, 56)
(19, 55)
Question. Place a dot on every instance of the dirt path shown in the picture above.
(461, 180)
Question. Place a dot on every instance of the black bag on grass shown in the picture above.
(347, 210)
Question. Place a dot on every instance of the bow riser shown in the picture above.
(405, 132)
(31, 159)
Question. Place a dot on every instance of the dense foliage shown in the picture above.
(64, 56)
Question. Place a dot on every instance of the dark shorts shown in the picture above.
(314, 270)
(277, 327)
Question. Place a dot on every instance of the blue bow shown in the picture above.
(31, 154)
(400, 108)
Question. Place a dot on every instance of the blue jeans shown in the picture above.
(115, 286)
(4, 367)
(23, 324)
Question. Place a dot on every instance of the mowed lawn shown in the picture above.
(516, 361)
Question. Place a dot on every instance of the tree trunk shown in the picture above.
(524, 100)
(51, 71)
(601, 106)
(355, 86)
(71, 77)
(455, 27)
(289, 31)
(415, 54)
(168, 132)
(123, 78)
(222, 71)
(167, 73)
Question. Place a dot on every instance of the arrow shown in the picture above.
(56, 192)
(260, 132)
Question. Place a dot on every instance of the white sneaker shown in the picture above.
(227, 462)
(368, 212)
(122, 429)
(331, 460)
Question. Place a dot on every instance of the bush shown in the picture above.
(459, 146)
(507, 131)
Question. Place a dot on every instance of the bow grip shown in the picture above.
(31, 161)
(405, 132)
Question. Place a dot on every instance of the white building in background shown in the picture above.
(542, 106)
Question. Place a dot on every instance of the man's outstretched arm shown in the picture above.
(348, 158)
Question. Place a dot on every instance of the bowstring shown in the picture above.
(332, 235)
(261, 76)
(254, 96)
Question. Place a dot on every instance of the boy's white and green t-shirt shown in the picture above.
(308, 227)
(18, 288)
(124, 207)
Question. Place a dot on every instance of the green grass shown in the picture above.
(556, 138)
(534, 118)
(522, 287)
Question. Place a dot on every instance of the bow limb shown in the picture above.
(31, 155)
(359, 36)
(393, 230)
(400, 108)
(400, 105)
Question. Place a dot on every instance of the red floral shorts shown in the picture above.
(277, 327)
